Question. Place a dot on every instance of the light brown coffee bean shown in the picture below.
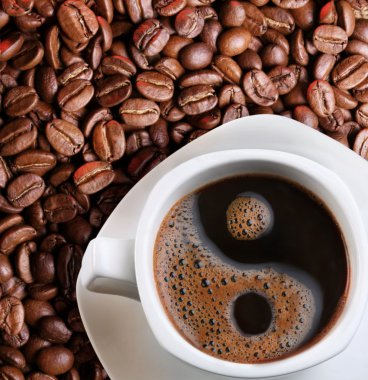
(22, 261)
(344, 99)
(231, 42)
(64, 137)
(361, 115)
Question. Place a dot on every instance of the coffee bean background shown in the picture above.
(96, 93)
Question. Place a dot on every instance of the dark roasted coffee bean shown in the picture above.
(29, 56)
(283, 78)
(279, 19)
(155, 86)
(11, 315)
(52, 47)
(138, 140)
(139, 113)
(10, 221)
(79, 70)
(144, 161)
(361, 115)
(180, 131)
(113, 90)
(77, 21)
(12, 356)
(22, 261)
(203, 77)
(60, 208)
(230, 93)
(332, 122)
(207, 120)
(227, 68)
(159, 133)
(189, 22)
(118, 65)
(25, 190)
(34, 310)
(344, 99)
(170, 67)
(350, 72)
(109, 140)
(111, 197)
(29, 22)
(78, 230)
(42, 292)
(55, 360)
(61, 174)
(249, 60)
(11, 373)
(195, 56)
(17, 340)
(197, 99)
(53, 329)
(6, 270)
(321, 98)
(20, 100)
(43, 267)
(150, 37)
(93, 177)
(258, 86)
(14, 236)
(75, 95)
(34, 161)
(10, 45)
(15, 287)
(297, 96)
(170, 111)
(234, 111)
(82, 200)
(64, 137)
(34, 343)
(273, 55)
(6, 207)
(330, 39)
(210, 32)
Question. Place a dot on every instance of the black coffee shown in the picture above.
(251, 268)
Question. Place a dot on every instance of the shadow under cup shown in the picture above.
(319, 181)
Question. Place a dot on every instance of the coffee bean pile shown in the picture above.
(96, 93)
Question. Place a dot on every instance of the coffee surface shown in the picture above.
(255, 299)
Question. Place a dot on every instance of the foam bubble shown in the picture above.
(248, 217)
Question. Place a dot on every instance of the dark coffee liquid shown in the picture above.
(251, 268)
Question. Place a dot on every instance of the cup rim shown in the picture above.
(165, 332)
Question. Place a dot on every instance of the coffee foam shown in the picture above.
(198, 291)
(248, 217)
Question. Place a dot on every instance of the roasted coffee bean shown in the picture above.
(279, 19)
(321, 98)
(11, 315)
(272, 36)
(360, 91)
(14, 236)
(328, 13)
(12, 356)
(230, 93)
(195, 56)
(17, 340)
(207, 120)
(60, 208)
(11, 373)
(64, 137)
(40, 376)
(254, 20)
(139, 113)
(109, 140)
(258, 86)
(17, 8)
(23, 263)
(78, 70)
(332, 122)
(168, 8)
(249, 60)
(159, 133)
(298, 48)
(10, 46)
(75, 95)
(283, 78)
(61, 174)
(174, 45)
(118, 65)
(344, 99)
(15, 287)
(197, 99)
(34, 161)
(139, 10)
(6, 207)
(43, 267)
(273, 55)
(77, 21)
(189, 22)
(234, 111)
(170, 111)
(350, 72)
(42, 292)
(111, 197)
(6, 270)
(346, 18)
(330, 39)
(233, 41)
(323, 66)
(29, 56)
(90, 121)
(361, 115)
(113, 90)
(78, 230)
(33, 346)
(155, 86)
(232, 13)
(170, 67)
(20, 100)
(5, 173)
(203, 77)
(25, 190)
(55, 360)
(53, 329)
(144, 161)
(150, 37)
(361, 143)
(10, 221)
(34, 310)
(137, 140)
(93, 177)
(227, 68)
(210, 33)
(357, 47)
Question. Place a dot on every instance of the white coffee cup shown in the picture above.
(125, 267)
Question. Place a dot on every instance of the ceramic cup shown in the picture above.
(125, 267)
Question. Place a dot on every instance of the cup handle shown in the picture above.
(108, 267)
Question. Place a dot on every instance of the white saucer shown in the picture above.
(117, 326)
